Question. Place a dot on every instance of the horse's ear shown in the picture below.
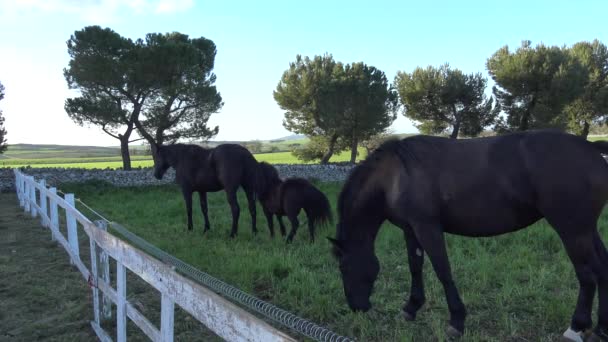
(337, 247)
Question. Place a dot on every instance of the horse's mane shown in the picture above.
(350, 196)
(185, 150)
(268, 177)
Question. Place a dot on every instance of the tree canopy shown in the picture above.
(444, 98)
(186, 95)
(162, 85)
(3, 145)
(340, 104)
(592, 104)
(534, 84)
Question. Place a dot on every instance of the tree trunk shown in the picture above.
(353, 150)
(124, 152)
(585, 131)
(456, 128)
(124, 147)
(524, 122)
(330, 149)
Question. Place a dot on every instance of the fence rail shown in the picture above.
(224, 318)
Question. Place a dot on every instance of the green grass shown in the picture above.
(146, 161)
(517, 287)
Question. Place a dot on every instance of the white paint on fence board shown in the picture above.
(33, 210)
(103, 336)
(137, 317)
(43, 207)
(94, 279)
(71, 223)
(54, 213)
(220, 315)
(167, 314)
(104, 270)
(26, 196)
(121, 302)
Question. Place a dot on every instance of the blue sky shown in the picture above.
(256, 40)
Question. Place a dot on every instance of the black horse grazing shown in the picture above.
(429, 186)
(289, 197)
(226, 166)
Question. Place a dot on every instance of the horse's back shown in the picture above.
(234, 165)
(488, 186)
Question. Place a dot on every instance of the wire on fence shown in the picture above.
(270, 311)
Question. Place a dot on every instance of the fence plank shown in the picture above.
(103, 336)
(54, 214)
(167, 313)
(121, 302)
(137, 317)
(95, 280)
(71, 223)
(44, 214)
(220, 315)
(104, 269)
(33, 204)
(26, 195)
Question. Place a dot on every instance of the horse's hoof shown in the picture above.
(408, 316)
(453, 333)
(573, 336)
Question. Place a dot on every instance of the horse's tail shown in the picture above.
(317, 206)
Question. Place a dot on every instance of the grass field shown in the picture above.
(517, 287)
(146, 161)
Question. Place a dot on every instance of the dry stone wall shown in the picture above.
(139, 177)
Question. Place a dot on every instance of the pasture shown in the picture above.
(517, 287)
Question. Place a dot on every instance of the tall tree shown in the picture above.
(592, 104)
(371, 104)
(163, 85)
(113, 83)
(534, 84)
(186, 95)
(443, 98)
(313, 98)
(3, 145)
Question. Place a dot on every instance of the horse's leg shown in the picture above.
(581, 252)
(293, 218)
(234, 207)
(281, 224)
(415, 256)
(187, 192)
(252, 209)
(601, 270)
(432, 241)
(311, 227)
(268, 215)
(203, 199)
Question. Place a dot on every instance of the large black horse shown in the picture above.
(429, 186)
(289, 197)
(227, 167)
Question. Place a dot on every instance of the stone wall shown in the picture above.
(56, 176)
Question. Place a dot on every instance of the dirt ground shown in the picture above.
(42, 297)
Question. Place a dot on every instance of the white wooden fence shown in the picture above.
(221, 316)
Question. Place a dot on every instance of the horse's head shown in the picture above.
(359, 268)
(161, 163)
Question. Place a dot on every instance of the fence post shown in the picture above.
(121, 302)
(54, 214)
(71, 223)
(94, 277)
(18, 187)
(26, 195)
(33, 210)
(44, 215)
(104, 265)
(167, 312)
